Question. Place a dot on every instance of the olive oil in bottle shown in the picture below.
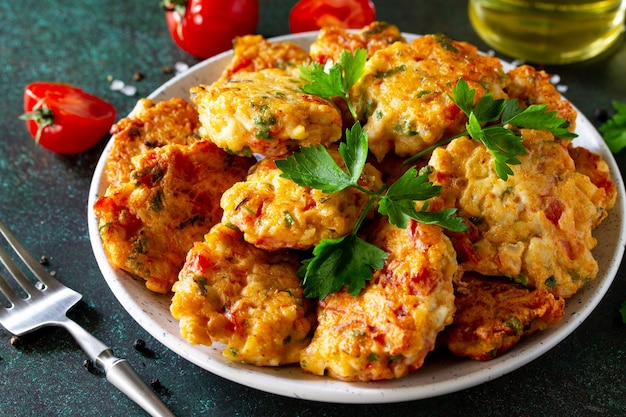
(548, 31)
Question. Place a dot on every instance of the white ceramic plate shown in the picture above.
(440, 375)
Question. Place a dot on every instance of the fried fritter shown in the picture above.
(265, 112)
(332, 40)
(253, 53)
(493, 314)
(244, 297)
(149, 125)
(593, 166)
(171, 200)
(404, 95)
(531, 86)
(536, 227)
(274, 212)
(388, 329)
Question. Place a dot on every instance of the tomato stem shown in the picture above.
(42, 115)
(178, 6)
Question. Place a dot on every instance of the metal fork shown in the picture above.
(46, 304)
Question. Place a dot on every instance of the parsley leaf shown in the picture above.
(398, 203)
(314, 167)
(536, 116)
(349, 260)
(614, 129)
(354, 151)
(504, 145)
(335, 79)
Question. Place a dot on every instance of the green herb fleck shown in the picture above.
(514, 324)
(390, 72)
(372, 357)
(445, 42)
(550, 281)
(156, 203)
(289, 220)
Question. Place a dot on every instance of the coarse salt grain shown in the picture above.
(117, 85)
(180, 67)
(129, 90)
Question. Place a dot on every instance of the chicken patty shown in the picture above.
(404, 99)
(171, 200)
(246, 298)
(149, 125)
(274, 212)
(388, 329)
(534, 228)
(531, 86)
(492, 315)
(253, 53)
(265, 112)
(331, 41)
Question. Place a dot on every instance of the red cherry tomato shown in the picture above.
(64, 118)
(309, 15)
(203, 28)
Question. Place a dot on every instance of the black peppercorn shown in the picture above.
(140, 344)
(155, 383)
(88, 364)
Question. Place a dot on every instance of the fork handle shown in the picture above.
(118, 371)
(121, 374)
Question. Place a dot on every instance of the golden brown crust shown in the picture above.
(149, 125)
(171, 200)
(274, 212)
(254, 53)
(531, 86)
(332, 40)
(536, 227)
(493, 315)
(388, 329)
(404, 95)
(265, 112)
(246, 298)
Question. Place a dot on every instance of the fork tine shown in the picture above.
(19, 277)
(28, 259)
(8, 291)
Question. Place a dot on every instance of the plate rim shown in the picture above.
(324, 389)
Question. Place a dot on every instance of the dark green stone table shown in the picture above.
(43, 197)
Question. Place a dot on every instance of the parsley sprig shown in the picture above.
(614, 129)
(489, 121)
(349, 260)
(335, 79)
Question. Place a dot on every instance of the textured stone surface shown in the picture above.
(43, 197)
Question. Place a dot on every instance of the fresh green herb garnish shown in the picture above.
(622, 311)
(503, 143)
(488, 121)
(349, 260)
(335, 79)
(614, 129)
